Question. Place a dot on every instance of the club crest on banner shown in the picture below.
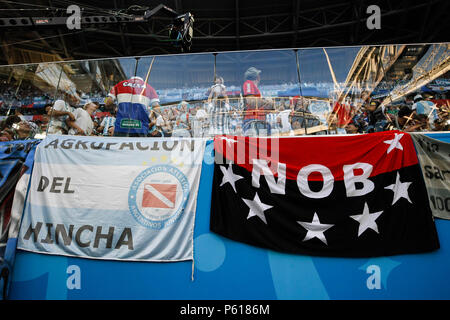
(158, 195)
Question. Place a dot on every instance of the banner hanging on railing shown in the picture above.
(16, 162)
(355, 196)
(113, 198)
(13, 157)
(434, 158)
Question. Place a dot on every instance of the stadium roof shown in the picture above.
(226, 25)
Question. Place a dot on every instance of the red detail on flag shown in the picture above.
(151, 200)
(330, 151)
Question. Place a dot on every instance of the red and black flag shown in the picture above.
(354, 196)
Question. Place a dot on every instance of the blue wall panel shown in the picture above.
(229, 270)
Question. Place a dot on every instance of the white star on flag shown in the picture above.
(229, 176)
(394, 143)
(257, 208)
(315, 229)
(400, 189)
(367, 220)
(228, 140)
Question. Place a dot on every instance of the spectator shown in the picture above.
(24, 130)
(156, 122)
(83, 124)
(377, 120)
(59, 113)
(255, 105)
(183, 115)
(97, 104)
(135, 99)
(19, 129)
(218, 90)
(425, 106)
(107, 125)
(166, 127)
(220, 105)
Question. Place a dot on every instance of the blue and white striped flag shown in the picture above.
(113, 198)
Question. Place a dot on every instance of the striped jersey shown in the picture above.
(134, 100)
(107, 122)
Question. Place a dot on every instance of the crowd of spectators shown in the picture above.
(419, 114)
(247, 114)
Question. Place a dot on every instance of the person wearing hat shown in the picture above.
(255, 105)
(425, 106)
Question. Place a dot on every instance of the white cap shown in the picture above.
(419, 96)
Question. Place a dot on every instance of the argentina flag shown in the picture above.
(113, 198)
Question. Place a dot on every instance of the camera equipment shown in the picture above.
(181, 31)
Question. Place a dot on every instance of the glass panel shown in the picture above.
(78, 103)
(323, 74)
(416, 88)
(24, 93)
(256, 93)
(258, 86)
(181, 83)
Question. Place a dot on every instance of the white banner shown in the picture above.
(113, 198)
(434, 161)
